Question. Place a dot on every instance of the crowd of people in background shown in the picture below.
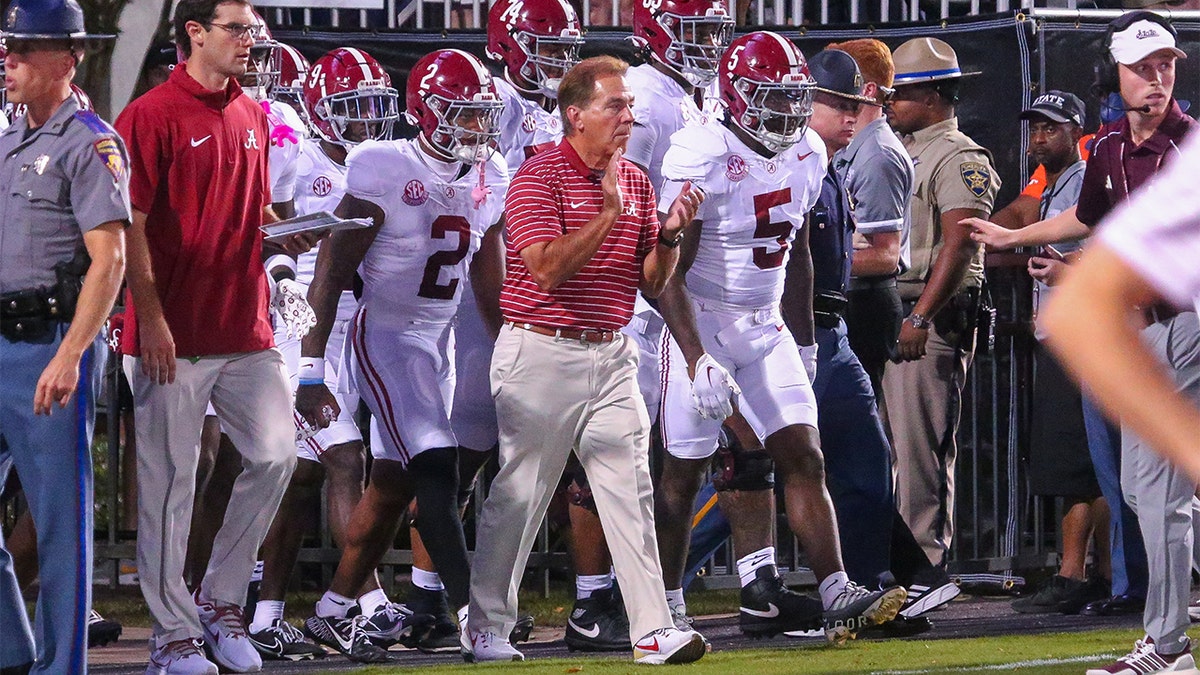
(734, 253)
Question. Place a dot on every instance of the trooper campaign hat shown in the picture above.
(836, 73)
(926, 59)
(47, 20)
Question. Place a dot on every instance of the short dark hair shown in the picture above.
(200, 11)
(578, 86)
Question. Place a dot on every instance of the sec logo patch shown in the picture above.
(415, 193)
(736, 169)
(322, 186)
(528, 124)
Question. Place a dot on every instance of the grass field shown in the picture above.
(1053, 654)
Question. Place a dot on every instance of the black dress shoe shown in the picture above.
(1117, 605)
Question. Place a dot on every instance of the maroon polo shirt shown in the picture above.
(1117, 166)
(555, 193)
(198, 170)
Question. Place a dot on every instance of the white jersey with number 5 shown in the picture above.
(526, 128)
(752, 210)
(413, 271)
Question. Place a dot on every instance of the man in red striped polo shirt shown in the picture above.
(583, 238)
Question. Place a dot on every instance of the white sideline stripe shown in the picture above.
(1016, 665)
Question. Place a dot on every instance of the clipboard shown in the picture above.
(321, 221)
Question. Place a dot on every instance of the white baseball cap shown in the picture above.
(1141, 39)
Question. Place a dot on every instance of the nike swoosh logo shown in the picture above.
(576, 205)
(198, 142)
(275, 646)
(346, 645)
(593, 633)
(803, 157)
(653, 647)
(771, 613)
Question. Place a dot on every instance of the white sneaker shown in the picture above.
(225, 636)
(179, 657)
(669, 645)
(488, 646)
(1145, 660)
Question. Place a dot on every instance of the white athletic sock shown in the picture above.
(371, 601)
(462, 617)
(265, 614)
(257, 574)
(831, 587)
(430, 581)
(747, 567)
(331, 605)
(586, 583)
(675, 601)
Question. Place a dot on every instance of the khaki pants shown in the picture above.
(251, 396)
(923, 400)
(554, 396)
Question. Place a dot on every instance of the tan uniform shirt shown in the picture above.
(952, 172)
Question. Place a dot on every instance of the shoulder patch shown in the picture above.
(93, 121)
(976, 176)
(110, 153)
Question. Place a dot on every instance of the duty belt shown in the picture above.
(29, 315)
(828, 309)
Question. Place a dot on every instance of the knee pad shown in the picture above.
(579, 492)
(739, 469)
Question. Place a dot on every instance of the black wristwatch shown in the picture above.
(919, 322)
(670, 243)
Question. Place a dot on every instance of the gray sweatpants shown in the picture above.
(251, 396)
(1162, 495)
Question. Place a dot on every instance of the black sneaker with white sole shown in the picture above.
(769, 608)
(856, 608)
(598, 624)
(522, 629)
(282, 641)
(346, 635)
(390, 624)
(101, 631)
(929, 590)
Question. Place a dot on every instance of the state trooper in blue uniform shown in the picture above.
(63, 210)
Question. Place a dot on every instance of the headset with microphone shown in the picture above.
(1107, 84)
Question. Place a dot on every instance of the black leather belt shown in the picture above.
(867, 283)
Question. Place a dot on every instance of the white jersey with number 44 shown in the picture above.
(752, 209)
(413, 271)
(526, 128)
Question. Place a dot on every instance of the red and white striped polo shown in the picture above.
(553, 194)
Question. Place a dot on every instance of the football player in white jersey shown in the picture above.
(349, 100)
(424, 233)
(537, 41)
(761, 171)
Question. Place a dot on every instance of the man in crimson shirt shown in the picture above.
(197, 330)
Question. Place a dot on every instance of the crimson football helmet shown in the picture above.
(348, 98)
(293, 68)
(262, 71)
(765, 84)
(537, 41)
(452, 100)
(688, 36)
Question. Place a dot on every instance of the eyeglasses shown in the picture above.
(239, 31)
